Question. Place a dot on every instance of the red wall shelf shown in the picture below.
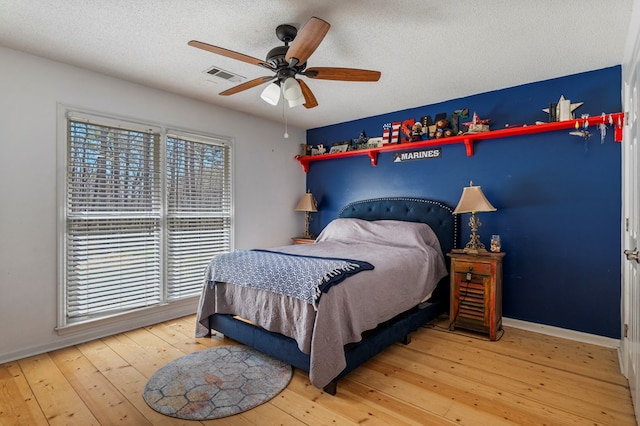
(469, 139)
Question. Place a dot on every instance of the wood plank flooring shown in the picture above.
(440, 378)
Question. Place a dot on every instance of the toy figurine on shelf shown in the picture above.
(416, 132)
(582, 131)
(476, 125)
(562, 110)
(412, 131)
(358, 142)
(442, 129)
(319, 150)
(427, 126)
(603, 126)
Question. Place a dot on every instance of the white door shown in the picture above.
(630, 350)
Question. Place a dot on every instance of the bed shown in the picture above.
(341, 330)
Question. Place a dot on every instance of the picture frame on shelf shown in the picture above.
(339, 148)
(375, 142)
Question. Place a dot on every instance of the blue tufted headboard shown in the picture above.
(434, 213)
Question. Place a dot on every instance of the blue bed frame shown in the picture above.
(438, 216)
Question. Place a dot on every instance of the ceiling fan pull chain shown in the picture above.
(284, 112)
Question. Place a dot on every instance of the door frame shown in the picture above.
(630, 290)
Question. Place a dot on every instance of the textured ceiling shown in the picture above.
(428, 51)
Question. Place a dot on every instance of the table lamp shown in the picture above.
(307, 204)
(473, 201)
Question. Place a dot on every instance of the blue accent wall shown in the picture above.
(558, 196)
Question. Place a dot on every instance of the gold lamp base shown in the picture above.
(307, 204)
(474, 246)
(307, 220)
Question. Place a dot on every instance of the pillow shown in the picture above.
(386, 232)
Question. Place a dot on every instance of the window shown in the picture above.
(145, 210)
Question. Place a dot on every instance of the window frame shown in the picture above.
(166, 309)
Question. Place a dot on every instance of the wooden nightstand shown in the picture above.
(300, 240)
(476, 292)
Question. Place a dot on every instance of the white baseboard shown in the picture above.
(564, 333)
(107, 327)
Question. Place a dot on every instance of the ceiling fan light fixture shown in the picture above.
(271, 94)
(291, 89)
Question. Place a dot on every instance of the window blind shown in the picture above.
(198, 180)
(113, 235)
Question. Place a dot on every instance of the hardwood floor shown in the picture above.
(440, 378)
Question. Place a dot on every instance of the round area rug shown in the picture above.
(216, 382)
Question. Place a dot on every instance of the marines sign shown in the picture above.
(424, 154)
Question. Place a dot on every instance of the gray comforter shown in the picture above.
(408, 265)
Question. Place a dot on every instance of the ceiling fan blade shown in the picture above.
(230, 54)
(309, 100)
(306, 41)
(342, 74)
(247, 85)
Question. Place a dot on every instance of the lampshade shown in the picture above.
(271, 94)
(307, 203)
(296, 102)
(473, 201)
(291, 89)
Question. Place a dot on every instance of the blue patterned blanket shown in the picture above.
(302, 277)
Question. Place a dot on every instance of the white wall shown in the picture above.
(266, 175)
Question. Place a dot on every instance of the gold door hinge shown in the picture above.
(626, 224)
(626, 330)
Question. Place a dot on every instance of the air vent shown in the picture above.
(225, 75)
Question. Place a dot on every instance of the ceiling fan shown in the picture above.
(290, 61)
